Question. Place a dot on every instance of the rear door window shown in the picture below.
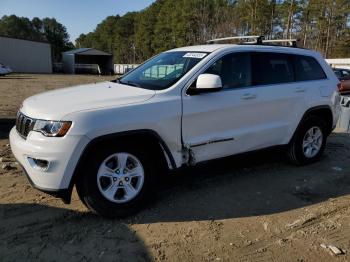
(271, 68)
(307, 68)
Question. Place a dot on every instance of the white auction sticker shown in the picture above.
(195, 55)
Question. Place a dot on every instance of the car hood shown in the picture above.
(54, 105)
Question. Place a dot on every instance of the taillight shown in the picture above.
(339, 86)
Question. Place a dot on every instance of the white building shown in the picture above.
(25, 56)
(339, 63)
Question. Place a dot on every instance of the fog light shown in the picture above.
(39, 164)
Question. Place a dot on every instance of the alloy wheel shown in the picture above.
(120, 177)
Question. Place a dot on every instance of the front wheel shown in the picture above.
(118, 181)
(309, 142)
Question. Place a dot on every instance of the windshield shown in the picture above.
(163, 70)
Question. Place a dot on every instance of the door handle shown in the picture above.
(300, 90)
(248, 96)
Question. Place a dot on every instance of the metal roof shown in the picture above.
(25, 39)
(86, 51)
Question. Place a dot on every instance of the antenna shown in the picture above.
(258, 39)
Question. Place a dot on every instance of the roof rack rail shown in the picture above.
(291, 42)
(257, 39)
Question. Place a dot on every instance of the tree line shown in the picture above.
(322, 25)
(47, 29)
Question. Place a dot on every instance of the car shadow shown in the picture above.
(254, 184)
(5, 126)
(34, 232)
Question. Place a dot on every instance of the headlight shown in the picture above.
(52, 128)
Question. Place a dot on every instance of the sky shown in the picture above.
(78, 16)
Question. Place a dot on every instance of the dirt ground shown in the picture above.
(16, 87)
(253, 207)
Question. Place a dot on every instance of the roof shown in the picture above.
(86, 51)
(214, 47)
(24, 39)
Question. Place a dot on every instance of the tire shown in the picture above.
(90, 182)
(303, 154)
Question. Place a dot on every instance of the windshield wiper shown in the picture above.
(129, 83)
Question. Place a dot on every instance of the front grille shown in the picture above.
(24, 124)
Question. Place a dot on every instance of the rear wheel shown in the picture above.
(309, 142)
(118, 181)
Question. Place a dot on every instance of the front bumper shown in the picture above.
(61, 153)
(64, 194)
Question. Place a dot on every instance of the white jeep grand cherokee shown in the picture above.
(184, 106)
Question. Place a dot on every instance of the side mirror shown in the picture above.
(207, 83)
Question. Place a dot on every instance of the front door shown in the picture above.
(222, 123)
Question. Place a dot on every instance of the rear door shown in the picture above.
(310, 75)
(281, 98)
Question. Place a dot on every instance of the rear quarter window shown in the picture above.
(307, 68)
